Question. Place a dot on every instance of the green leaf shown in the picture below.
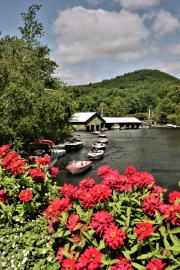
(175, 248)
(138, 266)
(175, 230)
(175, 239)
(145, 256)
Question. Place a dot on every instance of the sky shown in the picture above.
(95, 40)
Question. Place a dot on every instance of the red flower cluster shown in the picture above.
(123, 264)
(25, 195)
(144, 229)
(37, 174)
(67, 190)
(114, 236)
(87, 183)
(4, 196)
(156, 264)
(90, 259)
(54, 171)
(43, 160)
(73, 221)
(151, 203)
(100, 221)
(4, 149)
(13, 163)
(57, 207)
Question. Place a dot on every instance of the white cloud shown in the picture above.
(137, 4)
(95, 2)
(84, 35)
(165, 23)
(170, 67)
(174, 49)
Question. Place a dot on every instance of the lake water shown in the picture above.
(155, 150)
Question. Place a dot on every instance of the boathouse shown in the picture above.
(122, 122)
(87, 121)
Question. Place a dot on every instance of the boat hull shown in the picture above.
(96, 155)
(77, 167)
(73, 146)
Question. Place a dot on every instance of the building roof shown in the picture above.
(83, 117)
(122, 120)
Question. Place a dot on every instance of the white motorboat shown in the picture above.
(98, 145)
(102, 140)
(74, 143)
(76, 167)
(96, 132)
(95, 153)
(102, 135)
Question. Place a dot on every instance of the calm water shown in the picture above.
(155, 150)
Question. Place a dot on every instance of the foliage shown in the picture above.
(131, 93)
(33, 101)
(120, 223)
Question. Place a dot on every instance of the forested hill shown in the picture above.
(132, 94)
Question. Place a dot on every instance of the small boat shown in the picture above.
(95, 153)
(102, 135)
(104, 129)
(98, 145)
(171, 126)
(79, 166)
(96, 132)
(45, 147)
(102, 140)
(74, 143)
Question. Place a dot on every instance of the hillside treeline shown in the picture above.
(132, 94)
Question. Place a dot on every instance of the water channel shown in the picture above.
(155, 150)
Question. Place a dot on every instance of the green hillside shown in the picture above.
(132, 94)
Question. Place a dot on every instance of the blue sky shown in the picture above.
(93, 40)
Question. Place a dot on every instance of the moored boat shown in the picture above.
(98, 145)
(78, 166)
(74, 143)
(95, 153)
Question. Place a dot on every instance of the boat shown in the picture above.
(95, 153)
(171, 126)
(74, 143)
(42, 148)
(102, 135)
(79, 166)
(102, 140)
(104, 129)
(96, 132)
(98, 145)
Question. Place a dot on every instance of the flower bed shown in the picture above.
(121, 223)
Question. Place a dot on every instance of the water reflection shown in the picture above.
(153, 150)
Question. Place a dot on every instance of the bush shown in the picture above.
(121, 223)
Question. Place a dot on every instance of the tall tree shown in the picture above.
(28, 111)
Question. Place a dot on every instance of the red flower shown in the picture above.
(43, 160)
(100, 221)
(173, 196)
(4, 149)
(101, 192)
(37, 174)
(69, 264)
(25, 195)
(59, 254)
(90, 259)
(111, 179)
(144, 229)
(54, 171)
(158, 190)
(130, 170)
(87, 199)
(4, 196)
(172, 211)
(123, 264)
(104, 170)
(156, 264)
(54, 222)
(87, 183)
(151, 203)
(114, 236)
(67, 190)
(17, 166)
(57, 207)
(73, 221)
(11, 156)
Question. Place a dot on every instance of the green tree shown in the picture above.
(28, 111)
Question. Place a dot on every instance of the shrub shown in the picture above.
(121, 223)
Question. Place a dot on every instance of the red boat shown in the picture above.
(76, 167)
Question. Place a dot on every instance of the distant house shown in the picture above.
(122, 122)
(87, 121)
